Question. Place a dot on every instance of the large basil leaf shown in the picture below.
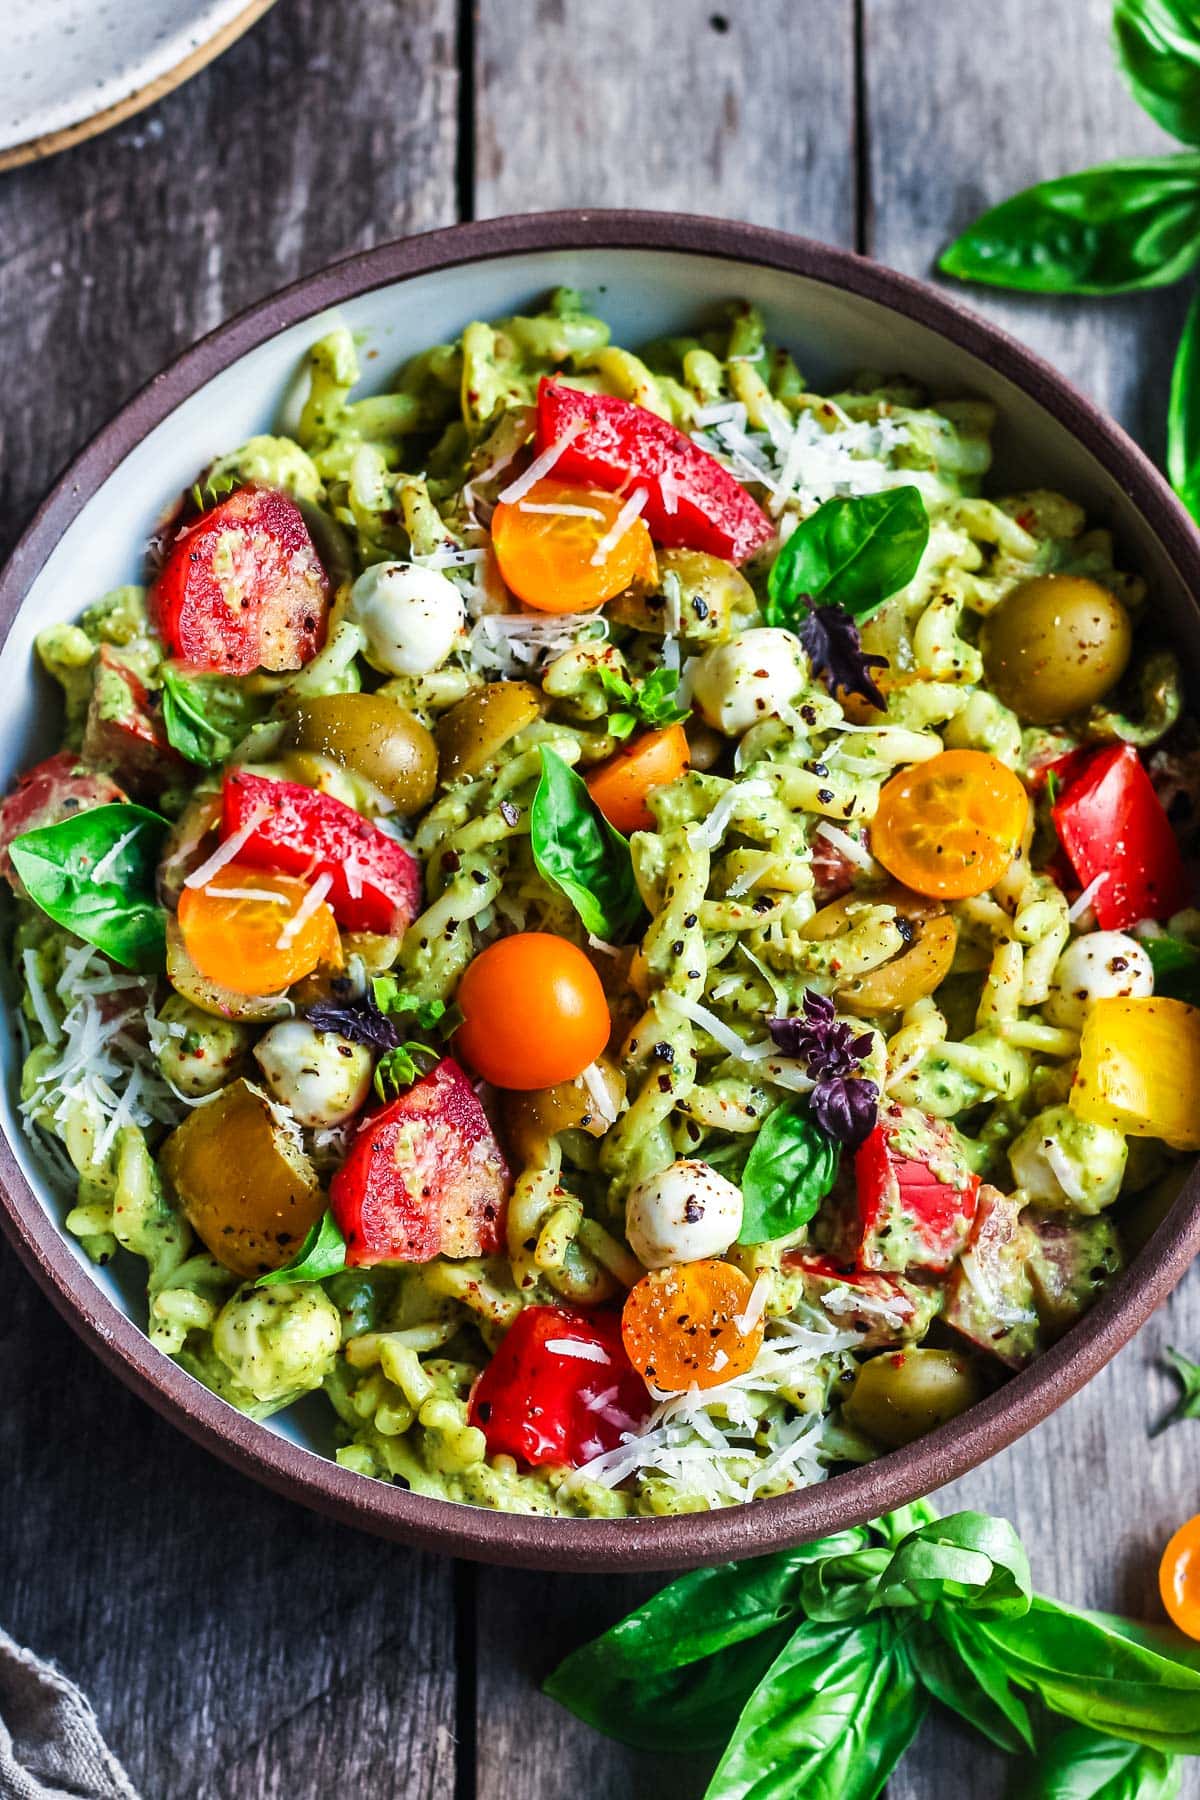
(853, 552)
(93, 873)
(578, 851)
(788, 1172)
(1102, 1674)
(1104, 231)
(969, 1558)
(1183, 414)
(1082, 1765)
(1158, 48)
(960, 1669)
(830, 1720)
(206, 717)
(322, 1253)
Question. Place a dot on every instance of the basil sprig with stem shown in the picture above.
(577, 851)
(206, 717)
(852, 552)
(1121, 227)
(817, 1666)
(94, 874)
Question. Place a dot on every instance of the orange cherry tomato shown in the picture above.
(234, 937)
(950, 826)
(549, 545)
(685, 1327)
(534, 1012)
(1179, 1578)
(620, 785)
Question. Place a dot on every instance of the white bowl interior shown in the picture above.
(642, 293)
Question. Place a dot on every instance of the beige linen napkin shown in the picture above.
(50, 1743)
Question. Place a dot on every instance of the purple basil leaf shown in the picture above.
(834, 647)
(845, 1107)
(359, 1020)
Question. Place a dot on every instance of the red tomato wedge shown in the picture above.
(50, 791)
(425, 1177)
(124, 733)
(1112, 825)
(692, 502)
(375, 881)
(916, 1195)
(242, 587)
(560, 1388)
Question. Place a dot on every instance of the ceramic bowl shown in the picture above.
(648, 274)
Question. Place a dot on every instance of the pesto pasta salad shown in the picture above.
(613, 915)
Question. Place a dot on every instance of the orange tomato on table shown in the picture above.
(1179, 1578)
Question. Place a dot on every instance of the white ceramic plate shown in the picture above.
(74, 67)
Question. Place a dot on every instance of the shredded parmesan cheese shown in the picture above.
(541, 465)
(719, 1032)
(756, 1306)
(109, 860)
(620, 525)
(247, 893)
(1084, 902)
(311, 903)
(849, 846)
(598, 1093)
(565, 511)
(43, 1012)
(592, 1353)
(709, 832)
(227, 850)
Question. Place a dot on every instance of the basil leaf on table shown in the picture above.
(830, 1720)
(579, 852)
(1183, 414)
(1083, 1765)
(968, 1558)
(205, 719)
(94, 874)
(1108, 230)
(855, 553)
(1158, 48)
(791, 1167)
(1188, 1404)
(322, 1253)
(964, 1673)
(1176, 965)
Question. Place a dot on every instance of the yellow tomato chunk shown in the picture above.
(1139, 1069)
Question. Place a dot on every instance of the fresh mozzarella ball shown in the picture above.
(752, 677)
(320, 1077)
(1101, 965)
(1065, 1162)
(682, 1215)
(198, 1052)
(411, 617)
(279, 1341)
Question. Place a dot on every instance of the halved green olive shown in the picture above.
(917, 971)
(901, 1394)
(250, 1193)
(715, 599)
(373, 737)
(472, 734)
(535, 1115)
(1055, 646)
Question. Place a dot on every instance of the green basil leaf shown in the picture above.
(1099, 1672)
(322, 1253)
(1183, 414)
(1176, 968)
(1158, 48)
(578, 851)
(1188, 1404)
(961, 1671)
(1104, 231)
(1083, 1765)
(830, 1719)
(790, 1169)
(969, 1558)
(853, 552)
(118, 912)
(206, 717)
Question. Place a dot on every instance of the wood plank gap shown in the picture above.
(464, 156)
(466, 1683)
(863, 222)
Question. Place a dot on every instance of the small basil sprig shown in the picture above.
(1188, 1404)
(650, 700)
(322, 1253)
(1158, 47)
(94, 874)
(854, 553)
(829, 1654)
(397, 1069)
(205, 718)
(580, 853)
(790, 1169)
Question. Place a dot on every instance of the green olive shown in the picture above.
(908, 977)
(473, 733)
(533, 1116)
(715, 599)
(1055, 646)
(250, 1193)
(902, 1394)
(373, 737)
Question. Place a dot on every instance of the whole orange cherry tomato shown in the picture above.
(1179, 1578)
(688, 1326)
(950, 826)
(239, 930)
(620, 785)
(551, 547)
(534, 1012)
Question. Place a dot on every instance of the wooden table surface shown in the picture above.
(237, 1648)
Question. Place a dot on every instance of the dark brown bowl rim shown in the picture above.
(581, 1544)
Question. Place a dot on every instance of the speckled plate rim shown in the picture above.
(147, 93)
(587, 1544)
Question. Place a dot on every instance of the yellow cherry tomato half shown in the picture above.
(1179, 1578)
(620, 786)
(689, 1326)
(240, 930)
(950, 826)
(554, 550)
(534, 1012)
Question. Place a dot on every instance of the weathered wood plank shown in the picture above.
(233, 1645)
(746, 110)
